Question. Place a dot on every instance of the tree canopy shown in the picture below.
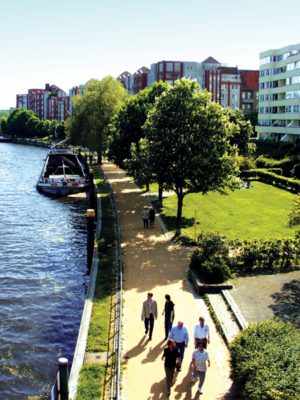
(188, 139)
(94, 111)
(126, 129)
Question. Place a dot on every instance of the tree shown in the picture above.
(3, 122)
(16, 122)
(94, 111)
(126, 128)
(188, 143)
(242, 131)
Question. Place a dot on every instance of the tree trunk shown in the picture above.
(147, 186)
(160, 194)
(179, 211)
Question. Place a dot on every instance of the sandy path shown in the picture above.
(151, 263)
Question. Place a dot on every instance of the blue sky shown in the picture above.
(66, 42)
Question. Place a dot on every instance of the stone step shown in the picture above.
(229, 326)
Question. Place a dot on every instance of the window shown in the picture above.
(169, 67)
(161, 67)
(177, 67)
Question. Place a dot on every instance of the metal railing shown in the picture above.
(115, 355)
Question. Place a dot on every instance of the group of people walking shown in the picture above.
(148, 217)
(177, 341)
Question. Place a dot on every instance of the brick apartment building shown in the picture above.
(229, 86)
(49, 103)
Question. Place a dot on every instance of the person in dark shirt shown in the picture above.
(169, 315)
(171, 355)
(151, 217)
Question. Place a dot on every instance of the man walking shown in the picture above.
(180, 336)
(149, 312)
(171, 354)
(201, 333)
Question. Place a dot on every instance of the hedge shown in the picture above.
(255, 256)
(265, 361)
(286, 164)
(272, 179)
(242, 257)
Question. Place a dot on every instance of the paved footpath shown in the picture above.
(151, 263)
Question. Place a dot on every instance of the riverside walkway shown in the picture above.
(152, 263)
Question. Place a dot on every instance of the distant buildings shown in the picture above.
(49, 103)
(279, 94)
(230, 87)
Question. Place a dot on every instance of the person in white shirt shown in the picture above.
(199, 358)
(201, 333)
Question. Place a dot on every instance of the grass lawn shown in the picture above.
(258, 213)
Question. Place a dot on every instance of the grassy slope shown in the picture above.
(260, 212)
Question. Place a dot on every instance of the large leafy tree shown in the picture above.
(17, 120)
(188, 143)
(94, 111)
(126, 130)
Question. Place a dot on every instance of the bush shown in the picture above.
(210, 261)
(297, 171)
(286, 164)
(294, 215)
(261, 256)
(245, 163)
(214, 270)
(264, 361)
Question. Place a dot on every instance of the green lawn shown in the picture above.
(258, 213)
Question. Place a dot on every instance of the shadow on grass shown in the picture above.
(287, 305)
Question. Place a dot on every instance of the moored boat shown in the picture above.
(5, 139)
(65, 172)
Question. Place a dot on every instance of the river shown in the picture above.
(43, 275)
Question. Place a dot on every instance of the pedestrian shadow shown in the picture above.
(158, 390)
(136, 350)
(154, 352)
(184, 389)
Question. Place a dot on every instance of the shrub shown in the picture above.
(264, 361)
(297, 171)
(210, 261)
(245, 163)
(286, 164)
(214, 270)
(294, 215)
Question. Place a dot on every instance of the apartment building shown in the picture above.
(279, 94)
(225, 83)
(49, 103)
(249, 99)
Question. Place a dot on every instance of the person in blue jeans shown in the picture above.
(180, 336)
(169, 315)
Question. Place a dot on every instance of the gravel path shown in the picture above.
(151, 263)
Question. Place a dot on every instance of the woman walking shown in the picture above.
(169, 315)
(199, 358)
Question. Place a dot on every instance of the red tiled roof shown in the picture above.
(211, 60)
(249, 79)
(229, 70)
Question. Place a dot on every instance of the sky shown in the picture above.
(66, 42)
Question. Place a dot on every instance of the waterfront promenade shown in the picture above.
(152, 263)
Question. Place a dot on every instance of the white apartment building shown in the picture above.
(279, 94)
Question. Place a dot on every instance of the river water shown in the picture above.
(43, 275)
